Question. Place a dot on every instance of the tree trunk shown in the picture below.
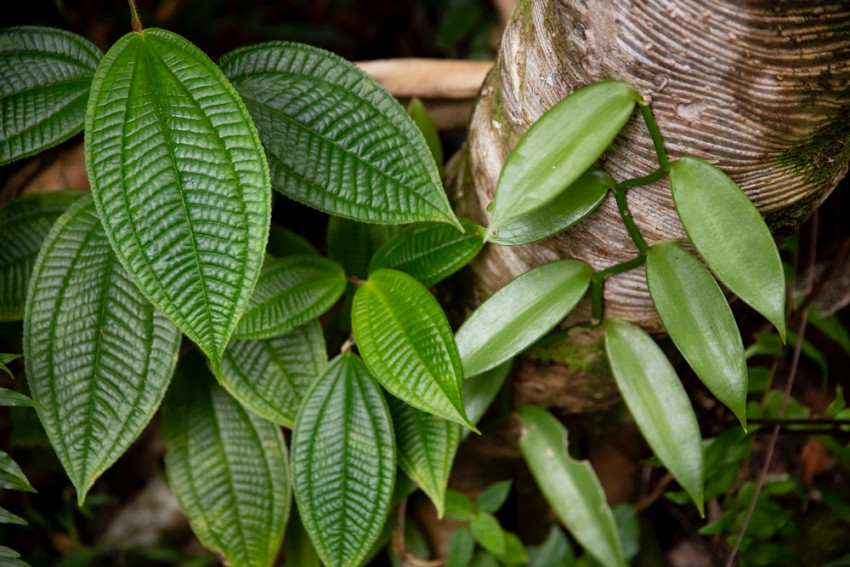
(760, 87)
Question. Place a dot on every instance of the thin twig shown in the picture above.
(400, 547)
(656, 493)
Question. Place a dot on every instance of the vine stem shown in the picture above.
(655, 134)
(134, 17)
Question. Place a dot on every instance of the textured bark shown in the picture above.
(760, 87)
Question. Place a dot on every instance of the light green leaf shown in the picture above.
(515, 553)
(520, 313)
(271, 376)
(284, 242)
(560, 146)
(181, 183)
(98, 356)
(730, 235)
(488, 533)
(480, 390)
(570, 486)
(492, 498)
(459, 506)
(24, 223)
(429, 252)
(7, 517)
(417, 111)
(343, 462)
(461, 547)
(655, 396)
(298, 551)
(700, 322)
(290, 292)
(483, 559)
(426, 449)
(405, 340)
(11, 476)
(353, 243)
(569, 207)
(45, 75)
(335, 139)
(11, 398)
(227, 467)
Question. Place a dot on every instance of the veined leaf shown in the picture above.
(227, 468)
(335, 139)
(11, 476)
(559, 147)
(658, 402)
(271, 376)
(426, 449)
(570, 486)
(343, 462)
(700, 322)
(417, 111)
(569, 207)
(98, 355)
(429, 252)
(405, 340)
(24, 223)
(353, 243)
(730, 235)
(45, 75)
(290, 292)
(520, 313)
(181, 183)
(284, 242)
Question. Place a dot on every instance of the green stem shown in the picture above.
(134, 17)
(598, 279)
(656, 175)
(626, 215)
(655, 134)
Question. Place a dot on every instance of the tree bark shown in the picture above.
(762, 88)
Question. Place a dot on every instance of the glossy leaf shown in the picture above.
(426, 449)
(284, 242)
(480, 390)
(11, 476)
(45, 75)
(661, 408)
(343, 462)
(24, 223)
(730, 235)
(98, 355)
(405, 340)
(290, 292)
(271, 376)
(181, 183)
(488, 533)
(520, 313)
(569, 207)
(417, 111)
(227, 467)
(494, 496)
(700, 322)
(560, 146)
(335, 139)
(571, 487)
(429, 252)
(353, 243)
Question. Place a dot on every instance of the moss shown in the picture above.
(588, 358)
(819, 159)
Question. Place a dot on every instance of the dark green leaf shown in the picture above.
(426, 449)
(290, 292)
(7, 517)
(227, 467)
(24, 223)
(628, 526)
(494, 496)
(488, 533)
(343, 462)
(45, 75)
(407, 343)
(832, 327)
(730, 235)
(520, 313)
(483, 559)
(335, 139)
(570, 486)
(353, 243)
(461, 547)
(572, 205)
(5, 359)
(417, 111)
(429, 251)
(11, 558)
(661, 408)
(11, 476)
(271, 376)
(180, 181)
(560, 146)
(555, 551)
(459, 506)
(298, 550)
(15, 399)
(700, 322)
(480, 390)
(98, 356)
(284, 242)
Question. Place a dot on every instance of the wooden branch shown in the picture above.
(429, 78)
